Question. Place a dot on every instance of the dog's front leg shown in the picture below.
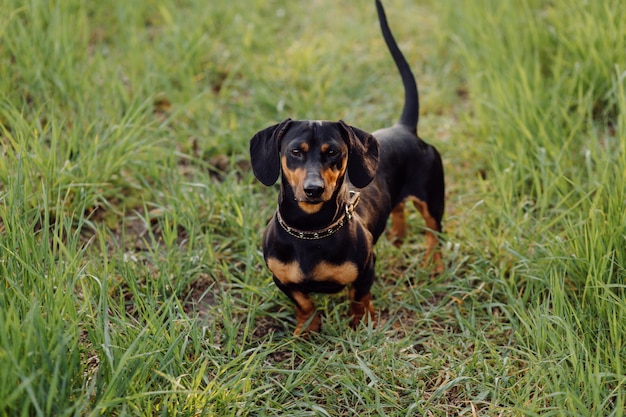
(305, 309)
(305, 313)
(361, 299)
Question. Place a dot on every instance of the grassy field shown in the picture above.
(131, 277)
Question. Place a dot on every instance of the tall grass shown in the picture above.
(131, 277)
(548, 81)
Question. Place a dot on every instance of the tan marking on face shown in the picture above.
(295, 178)
(310, 208)
(432, 253)
(287, 273)
(331, 177)
(344, 274)
(325, 147)
(304, 147)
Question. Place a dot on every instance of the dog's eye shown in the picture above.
(296, 152)
(332, 152)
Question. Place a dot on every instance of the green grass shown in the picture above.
(131, 276)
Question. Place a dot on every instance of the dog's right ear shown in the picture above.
(264, 152)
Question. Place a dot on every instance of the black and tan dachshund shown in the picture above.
(339, 185)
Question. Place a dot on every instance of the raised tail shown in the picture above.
(410, 112)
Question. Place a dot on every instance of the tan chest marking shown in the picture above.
(287, 273)
(344, 274)
(290, 273)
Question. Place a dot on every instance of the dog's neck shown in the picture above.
(294, 215)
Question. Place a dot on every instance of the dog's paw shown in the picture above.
(310, 325)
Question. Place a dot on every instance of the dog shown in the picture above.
(339, 185)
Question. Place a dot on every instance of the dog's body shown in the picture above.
(339, 185)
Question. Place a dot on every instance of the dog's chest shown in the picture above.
(297, 272)
(321, 264)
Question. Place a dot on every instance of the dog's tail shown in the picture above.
(410, 112)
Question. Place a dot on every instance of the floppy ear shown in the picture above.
(264, 148)
(362, 155)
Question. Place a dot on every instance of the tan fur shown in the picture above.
(287, 273)
(432, 253)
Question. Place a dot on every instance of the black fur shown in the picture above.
(320, 163)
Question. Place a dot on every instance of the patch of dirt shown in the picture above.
(201, 298)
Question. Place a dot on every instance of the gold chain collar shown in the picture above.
(327, 231)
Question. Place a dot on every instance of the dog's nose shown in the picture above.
(314, 191)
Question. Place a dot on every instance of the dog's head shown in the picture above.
(314, 157)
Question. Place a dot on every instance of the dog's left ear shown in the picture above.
(264, 149)
(362, 155)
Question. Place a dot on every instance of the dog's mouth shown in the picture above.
(301, 197)
(310, 206)
(311, 201)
